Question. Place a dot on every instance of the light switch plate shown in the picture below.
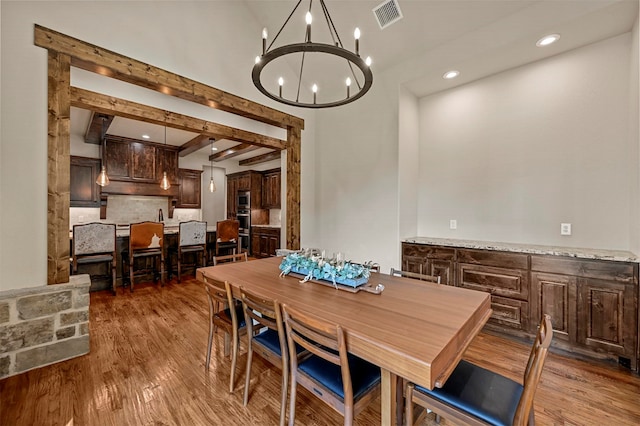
(565, 229)
(453, 224)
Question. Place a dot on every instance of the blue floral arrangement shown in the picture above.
(316, 266)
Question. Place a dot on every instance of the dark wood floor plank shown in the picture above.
(146, 367)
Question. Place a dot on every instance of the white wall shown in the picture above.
(513, 155)
(188, 38)
(408, 163)
(634, 132)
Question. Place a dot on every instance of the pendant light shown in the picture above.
(164, 183)
(212, 184)
(103, 179)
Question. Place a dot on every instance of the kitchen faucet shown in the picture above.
(160, 216)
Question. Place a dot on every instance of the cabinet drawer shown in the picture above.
(623, 272)
(492, 258)
(499, 281)
(509, 313)
(432, 252)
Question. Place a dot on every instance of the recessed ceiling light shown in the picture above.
(145, 136)
(547, 40)
(213, 148)
(451, 74)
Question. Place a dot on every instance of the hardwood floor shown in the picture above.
(146, 366)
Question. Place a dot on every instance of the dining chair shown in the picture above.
(266, 337)
(95, 243)
(224, 312)
(343, 381)
(473, 395)
(227, 236)
(146, 240)
(236, 257)
(192, 238)
(415, 275)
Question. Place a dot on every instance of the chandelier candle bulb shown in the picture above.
(314, 89)
(356, 35)
(308, 19)
(348, 83)
(280, 84)
(368, 61)
(264, 41)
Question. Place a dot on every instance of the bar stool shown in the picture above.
(146, 239)
(192, 238)
(95, 243)
(227, 236)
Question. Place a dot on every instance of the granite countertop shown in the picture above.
(266, 226)
(123, 230)
(581, 253)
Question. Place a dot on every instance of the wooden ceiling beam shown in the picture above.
(194, 145)
(273, 155)
(105, 62)
(104, 104)
(234, 151)
(98, 126)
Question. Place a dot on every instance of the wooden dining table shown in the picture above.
(412, 329)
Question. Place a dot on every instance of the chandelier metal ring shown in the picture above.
(306, 48)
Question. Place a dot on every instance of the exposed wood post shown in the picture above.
(293, 188)
(58, 167)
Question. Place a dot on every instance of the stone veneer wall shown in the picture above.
(43, 325)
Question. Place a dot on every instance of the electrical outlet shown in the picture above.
(453, 224)
(565, 229)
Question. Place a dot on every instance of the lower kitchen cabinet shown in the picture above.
(264, 241)
(593, 304)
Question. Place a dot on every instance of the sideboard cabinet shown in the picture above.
(593, 303)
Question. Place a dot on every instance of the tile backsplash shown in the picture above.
(125, 209)
(275, 218)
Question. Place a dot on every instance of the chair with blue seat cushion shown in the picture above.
(473, 395)
(343, 381)
(224, 312)
(266, 337)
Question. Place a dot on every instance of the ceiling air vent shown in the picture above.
(387, 13)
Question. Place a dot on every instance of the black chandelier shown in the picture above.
(337, 50)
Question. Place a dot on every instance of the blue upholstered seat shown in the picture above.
(269, 338)
(480, 392)
(364, 375)
(239, 314)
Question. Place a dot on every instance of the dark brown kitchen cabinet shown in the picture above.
(190, 189)
(232, 197)
(271, 189)
(593, 303)
(84, 192)
(264, 241)
(130, 160)
(250, 181)
(429, 260)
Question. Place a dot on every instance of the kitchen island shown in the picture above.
(102, 282)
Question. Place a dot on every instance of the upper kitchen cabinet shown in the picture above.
(130, 160)
(84, 192)
(250, 181)
(271, 189)
(190, 189)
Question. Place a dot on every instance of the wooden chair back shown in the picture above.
(263, 313)
(238, 257)
(227, 230)
(219, 295)
(321, 339)
(533, 371)
(415, 275)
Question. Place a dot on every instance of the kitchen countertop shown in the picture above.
(581, 253)
(266, 226)
(123, 230)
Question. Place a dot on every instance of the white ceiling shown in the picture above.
(476, 37)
